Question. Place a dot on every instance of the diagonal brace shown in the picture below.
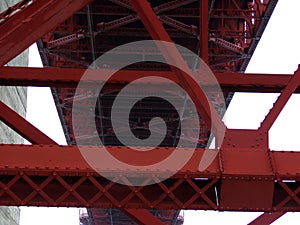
(281, 102)
(142, 216)
(266, 218)
(23, 127)
(157, 32)
(16, 32)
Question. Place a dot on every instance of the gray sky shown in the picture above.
(277, 52)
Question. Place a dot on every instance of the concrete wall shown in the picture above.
(15, 97)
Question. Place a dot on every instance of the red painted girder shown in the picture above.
(4, 15)
(281, 102)
(267, 218)
(228, 45)
(59, 176)
(172, 56)
(158, 9)
(203, 29)
(65, 40)
(171, 5)
(157, 32)
(69, 157)
(124, 3)
(142, 216)
(28, 25)
(69, 77)
(106, 26)
(22, 126)
(190, 29)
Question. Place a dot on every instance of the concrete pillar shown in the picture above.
(15, 97)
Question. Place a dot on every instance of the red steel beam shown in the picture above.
(69, 77)
(22, 126)
(267, 218)
(45, 175)
(281, 102)
(190, 29)
(157, 32)
(203, 29)
(142, 216)
(172, 56)
(175, 4)
(16, 32)
(158, 9)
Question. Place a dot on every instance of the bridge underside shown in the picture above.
(223, 33)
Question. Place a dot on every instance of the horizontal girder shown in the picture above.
(69, 77)
(45, 175)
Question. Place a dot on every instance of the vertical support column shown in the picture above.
(203, 29)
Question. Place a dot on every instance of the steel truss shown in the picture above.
(51, 175)
(245, 175)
